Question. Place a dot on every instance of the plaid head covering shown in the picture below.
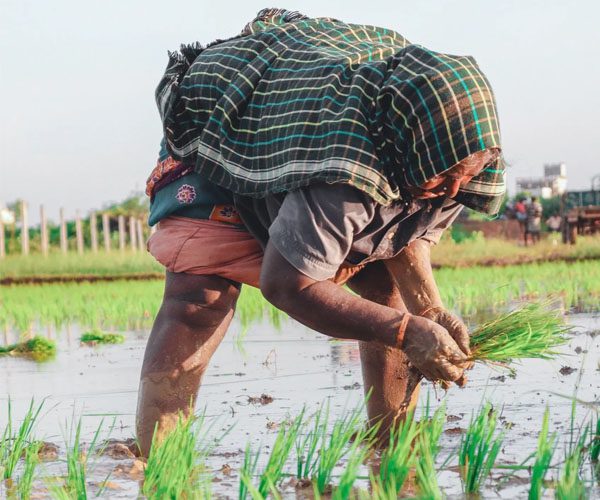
(293, 100)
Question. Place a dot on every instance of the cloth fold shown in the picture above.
(293, 101)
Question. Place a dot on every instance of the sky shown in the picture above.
(79, 126)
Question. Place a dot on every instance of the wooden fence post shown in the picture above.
(140, 235)
(78, 233)
(121, 233)
(43, 231)
(2, 243)
(93, 232)
(106, 231)
(63, 232)
(24, 228)
(132, 233)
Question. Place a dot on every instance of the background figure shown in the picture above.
(521, 216)
(553, 222)
(534, 220)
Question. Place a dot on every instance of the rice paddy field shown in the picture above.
(281, 411)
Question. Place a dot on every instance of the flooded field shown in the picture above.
(254, 386)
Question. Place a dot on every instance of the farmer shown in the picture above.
(534, 220)
(302, 155)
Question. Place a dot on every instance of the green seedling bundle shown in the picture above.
(529, 332)
(37, 348)
(97, 337)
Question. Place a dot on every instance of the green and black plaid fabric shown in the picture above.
(292, 101)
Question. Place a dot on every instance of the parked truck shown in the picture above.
(580, 212)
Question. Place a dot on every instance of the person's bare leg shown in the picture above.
(191, 322)
(386, 373)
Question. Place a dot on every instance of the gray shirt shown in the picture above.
(322, 226)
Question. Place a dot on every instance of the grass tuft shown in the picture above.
(570, 486)
(529, 332)
(36, 348)
(98, 337)
(479, 448)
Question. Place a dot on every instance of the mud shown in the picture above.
(100, 385)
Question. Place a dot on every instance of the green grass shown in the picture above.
(17, 439)
(37, 348)
(533, 331)
(479, 448)
(175, 467)
(98, 337)
(72, 264)
(132, 305)
(543, 459)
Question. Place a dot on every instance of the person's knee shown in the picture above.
(199, 302)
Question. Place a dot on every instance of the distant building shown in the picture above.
(553, 183)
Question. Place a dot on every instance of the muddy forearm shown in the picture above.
(413, 274)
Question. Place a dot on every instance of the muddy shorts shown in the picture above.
(206, 247)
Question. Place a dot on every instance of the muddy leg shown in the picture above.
(394, 387)
(191, 322)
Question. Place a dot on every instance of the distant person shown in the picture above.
(553, 223)
(302, 155)
(534, 220)
(520, 210)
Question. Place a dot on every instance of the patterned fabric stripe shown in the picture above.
(297, 100)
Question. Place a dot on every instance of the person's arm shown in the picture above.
(330, 309)
(414, 276)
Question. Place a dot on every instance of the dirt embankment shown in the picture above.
(77, 278)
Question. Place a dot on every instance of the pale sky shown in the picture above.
(79, 126)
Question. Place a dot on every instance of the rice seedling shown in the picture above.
(570, 485)
(334, 444)
(398, 458)
(357, 455)
(595, 442)
(425, 468)
(543, 459)
(74, 485)
(432, 426)
(38, 348)
(175, 467)
(479, 448)
(97, 337)
(31, 461)
(16, 440)
(280, 452)
(246, 473)
(529, 332)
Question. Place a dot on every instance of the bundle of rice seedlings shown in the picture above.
(479, 448)
(543, 458)
(36, 348)
(532, 331)
(97, 337)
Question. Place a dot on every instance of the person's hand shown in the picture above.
(432, 351)
(456, 328)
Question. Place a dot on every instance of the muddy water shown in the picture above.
(294, 367)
